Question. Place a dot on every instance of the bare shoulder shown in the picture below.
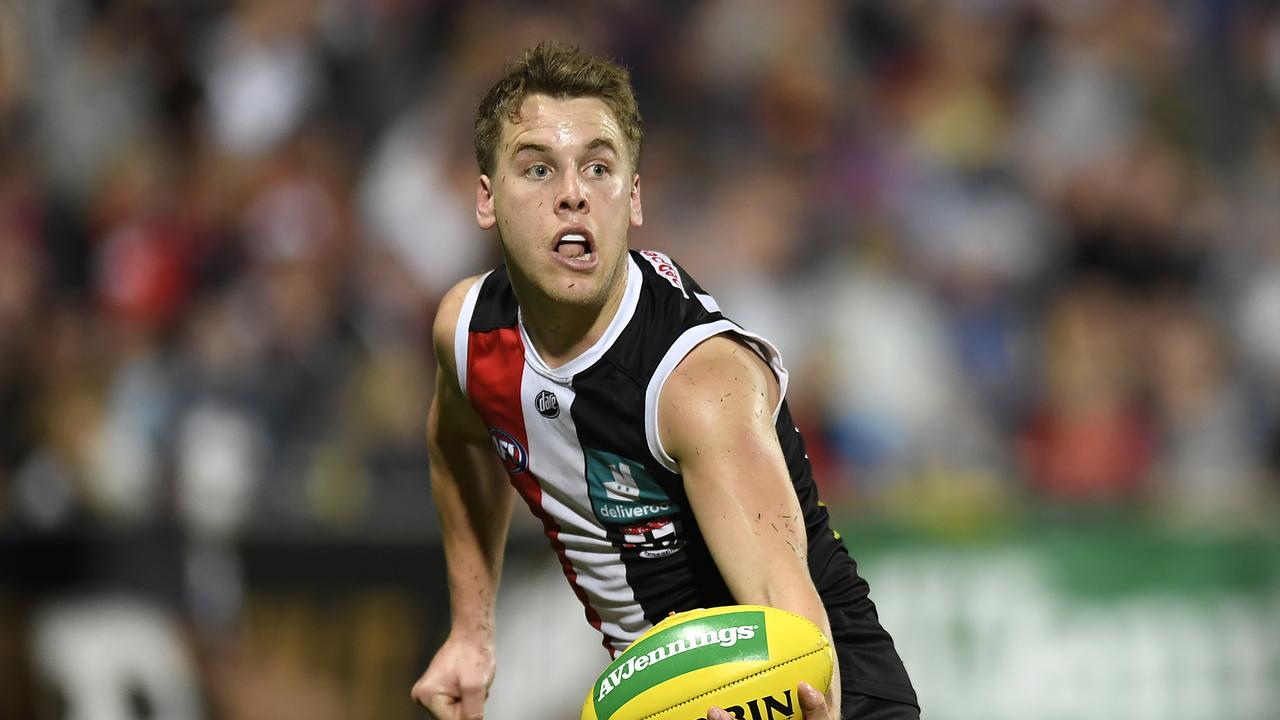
(452, 419)
(717, 361)
(720, 386)
(446, 322)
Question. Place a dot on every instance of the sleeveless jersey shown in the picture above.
(581, 447)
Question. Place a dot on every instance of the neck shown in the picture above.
(561, 332)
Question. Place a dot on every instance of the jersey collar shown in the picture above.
(621, 317)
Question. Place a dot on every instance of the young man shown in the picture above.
(645, 430)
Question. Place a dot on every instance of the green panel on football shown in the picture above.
(680, 649)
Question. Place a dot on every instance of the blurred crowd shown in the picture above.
(1019, 255)
(1015, 252)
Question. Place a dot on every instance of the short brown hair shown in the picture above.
(561, 71)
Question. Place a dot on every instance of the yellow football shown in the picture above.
(747, 659)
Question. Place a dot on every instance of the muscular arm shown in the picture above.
(715, 419)
(473, 500)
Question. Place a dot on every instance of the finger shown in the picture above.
(716, 713)
(442, 707)
(420, 692)
(812, 702)
(472, 707)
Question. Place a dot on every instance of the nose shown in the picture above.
(573, 196)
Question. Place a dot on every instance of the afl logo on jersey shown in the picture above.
(548, 404)
(512, 454)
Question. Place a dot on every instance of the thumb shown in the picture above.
(813, 703)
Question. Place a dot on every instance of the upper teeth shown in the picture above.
(573, 237)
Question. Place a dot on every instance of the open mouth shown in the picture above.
(575, 244)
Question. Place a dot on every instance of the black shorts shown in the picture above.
(873, 682)
(856, 706)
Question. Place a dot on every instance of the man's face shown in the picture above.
(563, 195)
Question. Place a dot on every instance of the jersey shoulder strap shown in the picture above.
(489, 305)
(680, 316)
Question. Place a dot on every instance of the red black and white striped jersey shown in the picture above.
(581, 446)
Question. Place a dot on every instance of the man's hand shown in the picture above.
(457, 681)
(813, 706)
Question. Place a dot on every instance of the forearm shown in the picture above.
(788, 589)
(762, 553)
(474, 504)
(802, 599)
(473, 545)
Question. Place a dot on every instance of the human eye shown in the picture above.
(598, 169)
(537, 171)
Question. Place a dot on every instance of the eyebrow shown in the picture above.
(603, 142)
(540, 148)
(534, 147)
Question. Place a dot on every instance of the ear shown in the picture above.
(485, 217)
(637, 216)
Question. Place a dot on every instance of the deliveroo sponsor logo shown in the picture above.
(679, 649)
(622, 493)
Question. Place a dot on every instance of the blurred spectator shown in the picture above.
(1088, 440)
(262, 73)
(1211, 451)
(418, 194)
(91, 97)
(1018, 255)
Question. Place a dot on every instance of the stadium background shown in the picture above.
(1021, 256)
